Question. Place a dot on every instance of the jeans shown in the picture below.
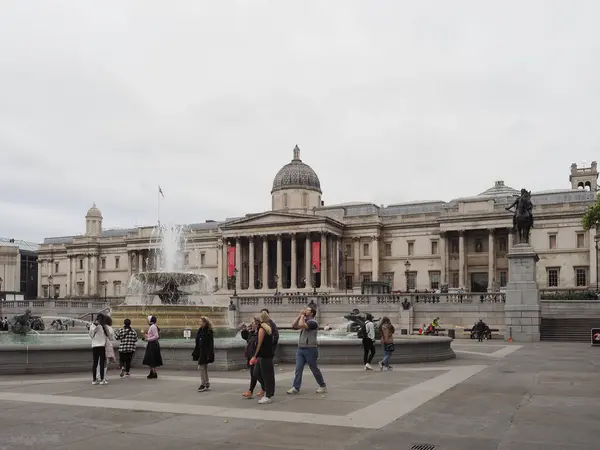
(99, 354)
(307, 356)
(264, 372)
(369, 347)
(204, 381)
(386, 356)
(125, 360)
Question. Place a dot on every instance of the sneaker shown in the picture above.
(202, 388)
(104, 381)
(265, 400)
(390, 367)
(122, 374)
(247, 394)
(322, 390)
(368, 366)
(127, 374)
(292, 391)
(381, 365)
(95, 382)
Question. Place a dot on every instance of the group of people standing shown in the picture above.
(387, 331)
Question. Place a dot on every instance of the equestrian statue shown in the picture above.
(523, 215)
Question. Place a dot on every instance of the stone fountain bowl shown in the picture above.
(162, 278)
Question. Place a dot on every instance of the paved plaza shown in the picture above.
(493, 396)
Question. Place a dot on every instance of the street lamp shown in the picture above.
(346, 269)
(407, 272)
(105, 289)
(276, 278)
(314, 280)
(596, 240)
(235, 273)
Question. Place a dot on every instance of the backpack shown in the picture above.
(362, 332)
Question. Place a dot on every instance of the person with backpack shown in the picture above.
(368, 341)
(387, 341)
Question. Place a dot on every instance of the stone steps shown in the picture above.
(568, 329)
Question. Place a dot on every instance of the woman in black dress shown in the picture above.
(152, 357)
(204, 352)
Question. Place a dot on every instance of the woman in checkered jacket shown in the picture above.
(128, 337)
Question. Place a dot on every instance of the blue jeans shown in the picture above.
(307, 356)
(386, 357)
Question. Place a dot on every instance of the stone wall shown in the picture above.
(573, 309)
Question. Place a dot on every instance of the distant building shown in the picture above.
(462, 243)
(18, 269)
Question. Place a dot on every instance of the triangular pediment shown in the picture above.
(272, 218)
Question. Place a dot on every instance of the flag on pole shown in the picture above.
(161, 192)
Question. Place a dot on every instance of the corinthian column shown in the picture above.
(279, 262)
(491, 260)
(375, 259)
(251, 262)
(265, 262)
(324, 260)
(238, 263)
(307, 262)
(294, 262)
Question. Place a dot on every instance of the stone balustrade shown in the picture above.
(40, 307)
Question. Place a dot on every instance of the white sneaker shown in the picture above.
(104, 381)
(95, 383)
(381, 365)
(265, 400)
(322, 390)
(292, 391)
(368, 366)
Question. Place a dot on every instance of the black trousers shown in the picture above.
(264, 371)
(369, 347)
(99, 354)
(125, 360)
(253, 379)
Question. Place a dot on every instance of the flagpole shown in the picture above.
(158, 205)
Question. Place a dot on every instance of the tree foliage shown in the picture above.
(591, 218)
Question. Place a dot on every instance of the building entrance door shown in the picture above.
(479, 282)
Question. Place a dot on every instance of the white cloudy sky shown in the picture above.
(389, 101)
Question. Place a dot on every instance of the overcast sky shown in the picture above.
(389, 101)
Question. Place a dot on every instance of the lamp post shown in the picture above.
(596, 240)
(276, 278)
(407, 272)
(235, 273)
(105, 289)
(1, 280)
(314, 280)
(346, 270)
(50, 286)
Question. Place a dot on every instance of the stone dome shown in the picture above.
(296, 175)
(94, 212)
(500, 190)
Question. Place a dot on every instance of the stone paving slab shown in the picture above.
(539, 396)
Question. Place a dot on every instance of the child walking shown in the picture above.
(128, 337)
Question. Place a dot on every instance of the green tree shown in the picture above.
(591, 218)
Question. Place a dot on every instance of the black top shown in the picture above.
(204, 352)
(266, 349)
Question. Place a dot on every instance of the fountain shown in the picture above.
(177, 296)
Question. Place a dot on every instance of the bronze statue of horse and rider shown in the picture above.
(523, 216)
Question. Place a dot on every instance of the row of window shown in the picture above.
(581, 276)
(102, 290)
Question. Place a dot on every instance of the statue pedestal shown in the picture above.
(406, 320)
(522, 309)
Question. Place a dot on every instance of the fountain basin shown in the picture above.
(229, 354)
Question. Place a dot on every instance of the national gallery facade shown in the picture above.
(302, 244)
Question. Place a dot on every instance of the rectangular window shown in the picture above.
(411, 248)
(388, 249)
(117, 260)
(349, 281)
(502, 244)
(478, 245)
(581, 277)
(202, 258)
(503, 278)
(45, 291)
(552, 241)
(388, 277)
(553, 276)
(80, 288)
(454, 246)
(580, 240)
(57, 290)
(434, 280)
(365, 249)
(348, 251)
(434, 247)
(81, 264)
(411, 279)
(117, 288)
(103, 263)
(454, 280)
(186, 259)
(56, 267)
(365, 277)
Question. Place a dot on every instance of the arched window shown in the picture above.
(285, 200)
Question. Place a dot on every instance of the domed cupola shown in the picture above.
(93, 222)
(296, 187)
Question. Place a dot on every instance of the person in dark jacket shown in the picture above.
(250, 335)
(204, 352)
(274, 330)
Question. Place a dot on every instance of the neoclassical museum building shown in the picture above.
(303, 243)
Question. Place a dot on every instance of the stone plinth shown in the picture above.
(522, 308)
